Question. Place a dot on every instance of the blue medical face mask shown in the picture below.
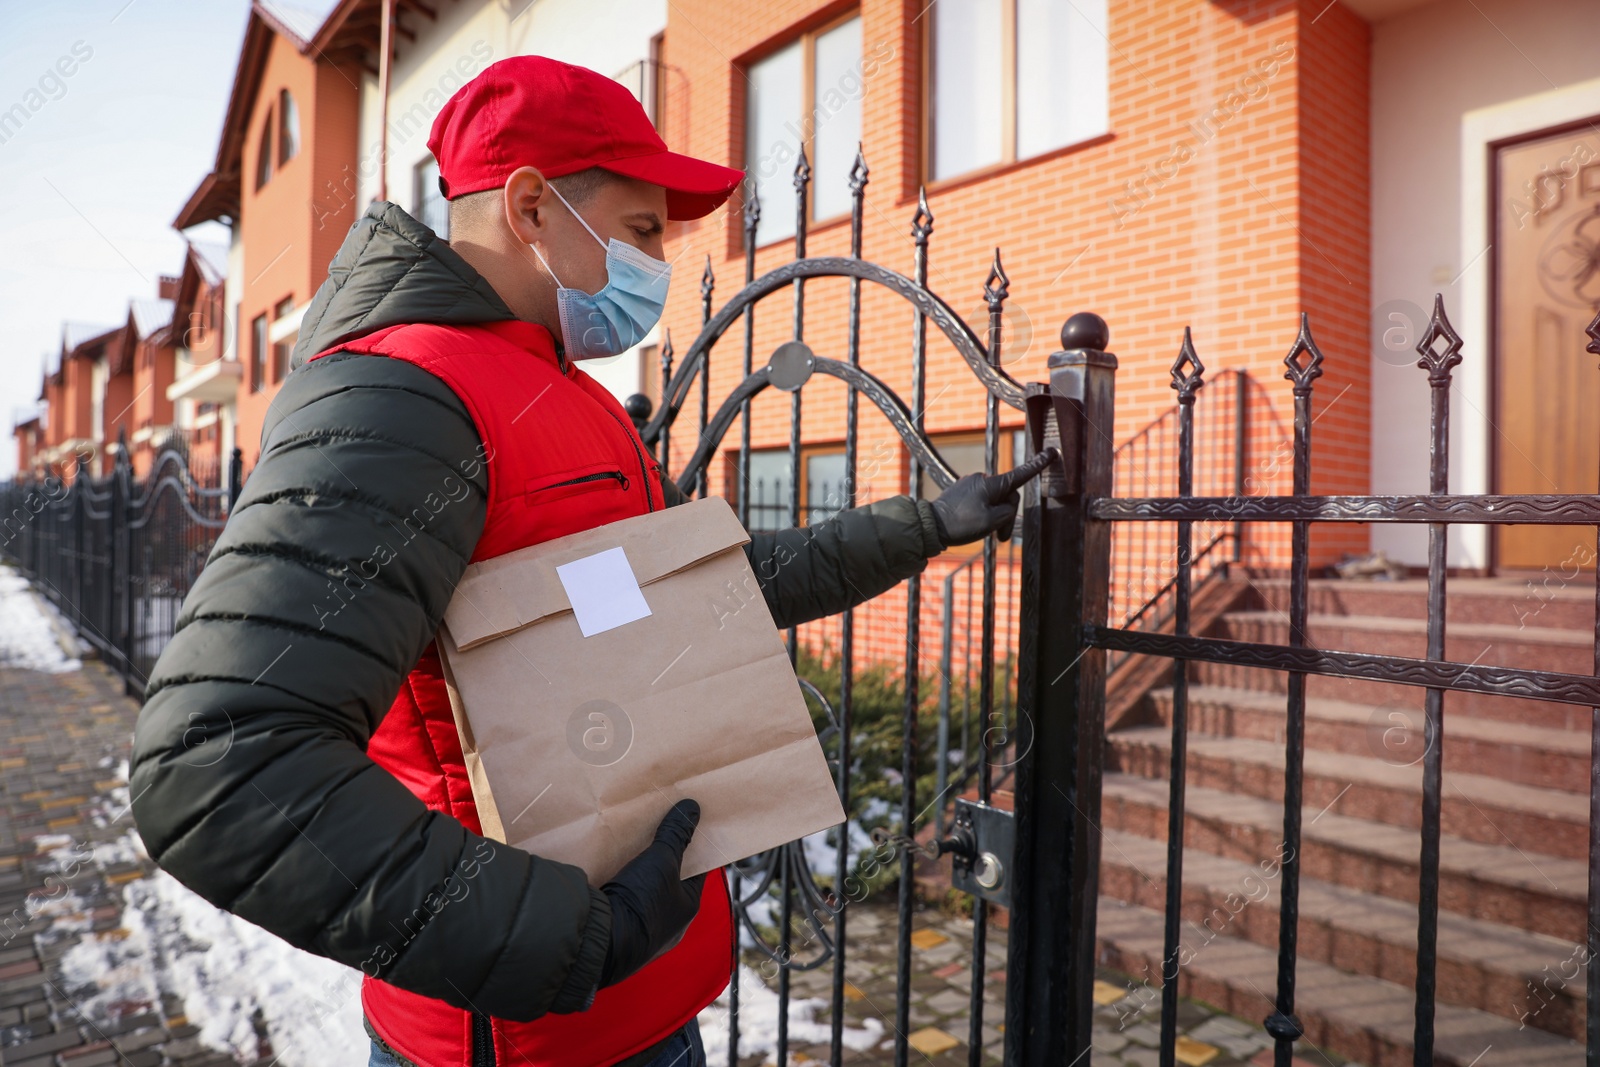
(619, 316)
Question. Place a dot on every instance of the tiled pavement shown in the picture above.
(1127, 1013)
(64, 740)
(63, 861)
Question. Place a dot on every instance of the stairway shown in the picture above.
(1513, 869)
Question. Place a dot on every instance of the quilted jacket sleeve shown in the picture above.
(250, 777)
(809, 572)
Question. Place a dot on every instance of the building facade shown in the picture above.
(1217, 164)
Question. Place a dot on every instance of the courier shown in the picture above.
(437, 435)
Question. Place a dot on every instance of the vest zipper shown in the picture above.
(618, 475)
(638, 450)
(482, 1041)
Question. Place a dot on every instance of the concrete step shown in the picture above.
(1523, 888)
(1535, 648)
(1477, 807)
(1516, 752)
(1367, 1019)
(1569, 651)
(1555, 599)
(1482, 965)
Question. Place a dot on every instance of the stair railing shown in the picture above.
(1144, 594)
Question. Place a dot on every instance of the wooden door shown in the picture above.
(1546, 289)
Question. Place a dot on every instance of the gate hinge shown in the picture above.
(981, 847)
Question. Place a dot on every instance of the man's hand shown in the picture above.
(651, 906)
(983, 503)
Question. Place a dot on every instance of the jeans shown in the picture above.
(683, 1050)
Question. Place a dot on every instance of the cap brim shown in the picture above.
(695, 188)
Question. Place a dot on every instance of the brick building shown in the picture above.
(204, 388)
(148, 342)
(1218, 164)
(289, 129)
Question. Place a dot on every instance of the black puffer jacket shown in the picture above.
(250, 778)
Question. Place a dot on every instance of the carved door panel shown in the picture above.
(1547, 288)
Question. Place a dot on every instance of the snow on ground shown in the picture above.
(758, 1023)
(225, 970)
(27, 640)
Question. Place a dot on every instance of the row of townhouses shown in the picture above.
(1217, 164)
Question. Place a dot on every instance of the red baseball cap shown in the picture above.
(530, 111)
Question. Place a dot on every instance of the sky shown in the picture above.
(94, 176)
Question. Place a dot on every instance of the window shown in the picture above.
(769, 489)
(432, 209)
(650, 373)
(827, 489)
(1009, 79)
(288, 127)
(823, 495)
(807, 93)
(964, 453)
(258, 353)
(283, 343)
(646, 80)
(264, 153)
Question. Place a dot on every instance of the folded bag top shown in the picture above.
(502, 595)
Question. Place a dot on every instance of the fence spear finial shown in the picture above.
(1439, 361)
(1188, 373)
(1302, 374)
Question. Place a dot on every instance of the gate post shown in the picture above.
(1061, 708)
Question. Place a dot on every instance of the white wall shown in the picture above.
(1443, 75)
(604, 35)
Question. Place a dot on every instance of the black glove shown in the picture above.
(980, 504)
(651, 906)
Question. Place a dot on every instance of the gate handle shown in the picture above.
(961, 842)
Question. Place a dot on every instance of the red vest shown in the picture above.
(540, 428)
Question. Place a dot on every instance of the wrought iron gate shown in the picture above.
(797, 919)
(1041, 859)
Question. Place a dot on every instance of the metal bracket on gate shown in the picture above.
(981, 846)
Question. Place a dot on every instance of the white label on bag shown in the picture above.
(603, 591)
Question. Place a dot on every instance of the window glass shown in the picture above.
(288, 127)
(1061, 73)
(432, 209)
(826, 491)
(283, 347)
(264, 153)
(965, 456)
(967, 86)
(258, 352)
(769, 489)
(836, 129)
(774, 106)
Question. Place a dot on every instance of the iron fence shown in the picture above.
(117, 555)
(1069, 539)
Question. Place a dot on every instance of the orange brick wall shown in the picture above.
(153, 370)
(286, 251)
(117, 413)
(77, 398)
(55, 417)
(1335, 279)
(1230, 194)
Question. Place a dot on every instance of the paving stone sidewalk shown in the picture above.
(64, 860)
(1127, 1013)
(64, 739)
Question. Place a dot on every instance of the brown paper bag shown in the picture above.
(577, 745)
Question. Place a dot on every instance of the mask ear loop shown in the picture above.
(546, 265)
(552, 187)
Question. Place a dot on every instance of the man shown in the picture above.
(296, 761)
